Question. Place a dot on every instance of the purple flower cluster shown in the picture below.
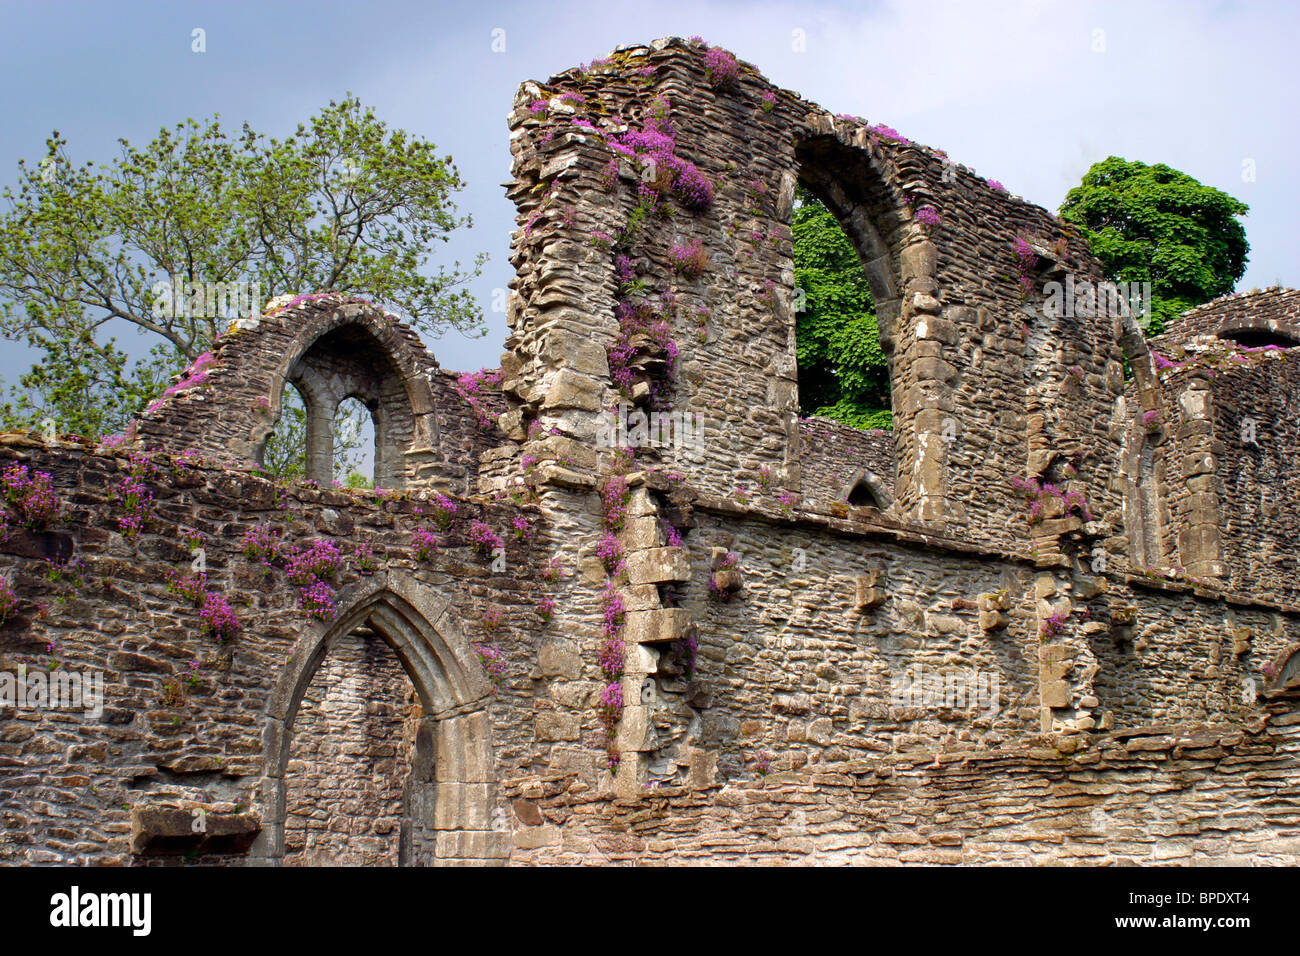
(928, 218)
(319, 560)
(1053, 624)
(492, 619)
(643, 334)
(364, 556)
(610, 552)
(264, 545)
(1037, 492)
(31, 497)
(997, 186)
(494, 663)
(693, 188)
(522, 527)
(614, 611)
(673, 536)
(689, 259)
(611, 700)
(721, 67)
(1027, 261)
(317, 599)
(483, 539)
(425, 543)
(1151, 417)
(134, 497)
(614, 496)
(444, 511)
(472, 386)
(219, 619)
(190, 587)
(192, 377)
(655, 146)
(881, 131)
(546, 608)
(553, 571)
(769, 100)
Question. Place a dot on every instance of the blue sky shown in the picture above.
(1028, 93)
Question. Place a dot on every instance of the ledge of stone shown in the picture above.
(170, 831)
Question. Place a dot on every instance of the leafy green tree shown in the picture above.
(843, 371)
(344, 204)
(1156, 224)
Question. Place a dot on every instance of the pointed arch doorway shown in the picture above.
(444, 804)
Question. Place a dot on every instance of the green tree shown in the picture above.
(1156, 224)
(344, 204)
(843, 371)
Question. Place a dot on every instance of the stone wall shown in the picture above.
(1251, 318)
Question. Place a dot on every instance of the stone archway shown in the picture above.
(451, 789)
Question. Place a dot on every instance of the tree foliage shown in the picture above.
(1156, 224)
(843, 371)
(344, 204)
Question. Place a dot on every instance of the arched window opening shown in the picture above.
(384, 749)
(285, 453)
(348, 786)
(1259, 338)
(354, 444)
(863, 495)
(843, 367)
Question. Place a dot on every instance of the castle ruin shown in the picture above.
(1052, 617)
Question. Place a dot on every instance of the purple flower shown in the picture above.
(31, 496)
(928, 217)
(425, 543)
(317, 599)
(319, 560)
(610, 552)
(494, 663)
(722, 68)
(218, 617)
(483, 539)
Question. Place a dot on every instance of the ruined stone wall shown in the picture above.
(705, 652)
(985, 386)
(835, 456)
(1274, 312)
(1151, 798)
(75, 785)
